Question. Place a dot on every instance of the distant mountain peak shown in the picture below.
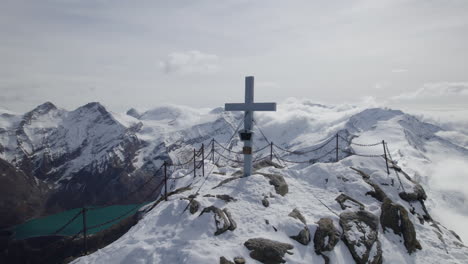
(44, 108)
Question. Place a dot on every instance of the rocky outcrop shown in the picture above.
(277, 180)
(224, 197)
(21, 197)
(265, 202)
(395, 217)
(268, 251)
(377, 193)
(418, 194)
(342, 198)
(360, 235)
(304, 235)
(223, 219)
(326, 236)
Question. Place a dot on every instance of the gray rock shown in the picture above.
(281, 187)
(265, 202)
(239, 260)
(418, 194)
(223, 260)
(342, 198)
(226, 181)
(233, 224)
(395, 217)
(360, 235)
(377, 193)
(295, 213)
(303, 237)
(326, 232)
(268, 251)
(223, 221)
(266, 163)
(194, 206)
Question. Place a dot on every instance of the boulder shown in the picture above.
(265, 202)
(223, 219)
(418, 194)
(360, 235)
(268, 251)
(194, 206)
(295, 213)
(395, 217)
(223, 260)
(303, 237)
(239, 260)
(281, 187)
(326, 236)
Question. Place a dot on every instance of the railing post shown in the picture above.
(271, 151)
(213, 151)
(385, 154)
(337, 147)
(203, 159)
(85, 244)
(194, 163)
(165, 180)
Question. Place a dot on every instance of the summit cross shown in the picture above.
(249, 107)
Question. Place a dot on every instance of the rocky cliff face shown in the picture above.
(90, 156)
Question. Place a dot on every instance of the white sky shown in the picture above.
(146, 53)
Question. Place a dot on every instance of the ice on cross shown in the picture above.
(249, 107)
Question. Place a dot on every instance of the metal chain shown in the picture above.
(229, 150)
(359, 144)
(295, 152)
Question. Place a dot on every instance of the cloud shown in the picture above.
(443, 94)
(192, 61)
(449, 178)
(436, 90)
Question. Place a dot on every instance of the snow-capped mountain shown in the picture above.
(349, 211)
(76, 153)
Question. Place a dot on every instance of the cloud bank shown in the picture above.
(192, 61)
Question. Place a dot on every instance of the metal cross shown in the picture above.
(249, 107)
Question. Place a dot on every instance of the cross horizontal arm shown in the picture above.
(250, 107)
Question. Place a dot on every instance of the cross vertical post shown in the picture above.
(249, 107)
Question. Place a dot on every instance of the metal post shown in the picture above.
(247, 151)
(203, 159)
(194, 163)
(165, 180)
(385, 153)
(271, 151)
(85, 244)
(213, 151)
(336, 147)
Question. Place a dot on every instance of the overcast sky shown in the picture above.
(147, 53)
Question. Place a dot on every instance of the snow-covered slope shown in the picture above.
(171, 234)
